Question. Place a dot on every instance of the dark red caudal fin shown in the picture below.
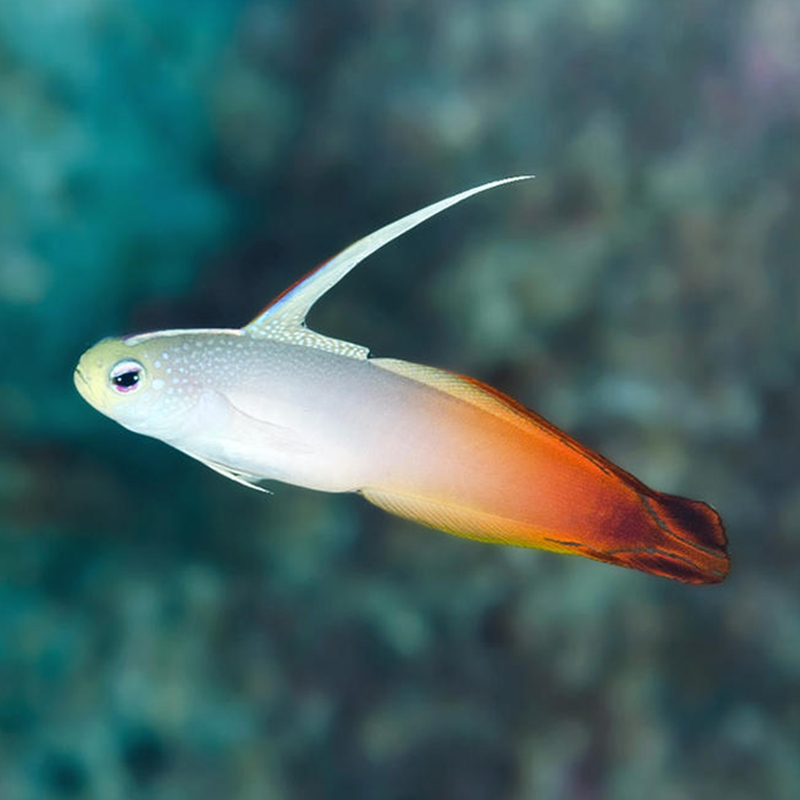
(692, 546)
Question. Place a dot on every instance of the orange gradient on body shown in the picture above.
(485, 467)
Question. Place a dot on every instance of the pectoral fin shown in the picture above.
(234, 435)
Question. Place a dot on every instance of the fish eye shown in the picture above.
(126, 375)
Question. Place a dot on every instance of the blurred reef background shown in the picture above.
(167, 634)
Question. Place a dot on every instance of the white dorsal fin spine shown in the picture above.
(276, 328)
(284, 320)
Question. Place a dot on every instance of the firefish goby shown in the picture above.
(278, 401)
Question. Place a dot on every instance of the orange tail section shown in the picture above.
(683, 539)
(666, 546)
(618, 519)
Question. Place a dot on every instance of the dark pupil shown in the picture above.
(127, 379)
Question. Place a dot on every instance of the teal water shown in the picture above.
(165, 633)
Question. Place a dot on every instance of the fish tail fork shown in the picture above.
(689, 543)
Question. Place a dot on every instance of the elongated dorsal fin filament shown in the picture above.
(284, 319)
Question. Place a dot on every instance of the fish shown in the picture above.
(277, 401)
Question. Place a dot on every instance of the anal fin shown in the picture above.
(466, 522)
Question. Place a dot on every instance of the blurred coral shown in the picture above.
(164, 633)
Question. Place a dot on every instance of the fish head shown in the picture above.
(129, 380)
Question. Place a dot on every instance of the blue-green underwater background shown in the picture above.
(165, 633)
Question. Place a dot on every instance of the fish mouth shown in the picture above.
(79, 375)
(82, 384)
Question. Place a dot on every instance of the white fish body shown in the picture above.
(277, 401)
(257, 411)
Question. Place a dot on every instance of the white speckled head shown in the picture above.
(147, 383)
